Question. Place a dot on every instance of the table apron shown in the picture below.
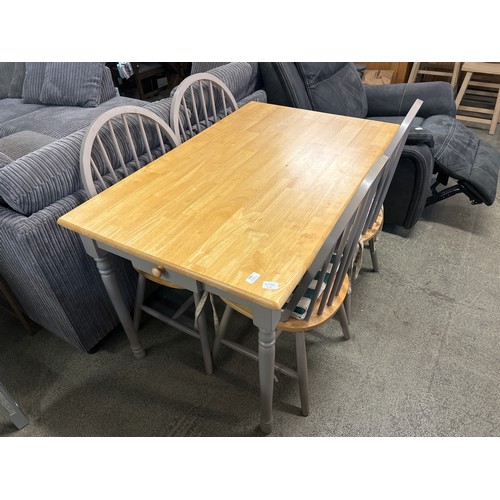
(263, 317)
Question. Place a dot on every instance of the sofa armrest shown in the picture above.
(242, 78)
(420, 136)
(55, 281)
(397, 99)
(42, 177)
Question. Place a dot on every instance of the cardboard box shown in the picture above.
(378, 76)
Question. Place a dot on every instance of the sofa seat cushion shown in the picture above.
(4, 160)
(22, 143)
(14, 108)
(460, 154)
(60, 121)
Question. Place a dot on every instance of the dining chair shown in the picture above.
(199, 101)
(320, 294)
(116, 144)
(375, 218)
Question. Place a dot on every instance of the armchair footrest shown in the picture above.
(461, 155)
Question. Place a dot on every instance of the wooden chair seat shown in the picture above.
(374, 229)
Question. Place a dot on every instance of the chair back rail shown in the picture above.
(393, 152)
(122, 139)
(199, 101)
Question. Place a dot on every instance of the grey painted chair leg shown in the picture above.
(347, 306)
(8, 403)
(342, 316)
(228, 312)
(374, 255)
(203, 331)
(139, 300)
(267, 352)
(303, 376)
(108, 275)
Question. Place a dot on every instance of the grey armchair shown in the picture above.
(437, 144)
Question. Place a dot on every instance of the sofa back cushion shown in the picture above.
(6, 72)
(334, 87)
(33, 82)
(107, 86)
(72, 84)
(16, 84)
(284, 85)
(81, 84)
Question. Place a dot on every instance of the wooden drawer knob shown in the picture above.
(157, 271)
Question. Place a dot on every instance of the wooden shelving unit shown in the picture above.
(151, 79)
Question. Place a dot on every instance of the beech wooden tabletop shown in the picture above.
(258, 192)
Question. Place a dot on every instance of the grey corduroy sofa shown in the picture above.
(45, 265)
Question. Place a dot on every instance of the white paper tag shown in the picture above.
(419, 128)
(253, 278)
(270, 285)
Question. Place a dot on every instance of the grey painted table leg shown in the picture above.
(108, 275)
(8, 403)
(266, 321)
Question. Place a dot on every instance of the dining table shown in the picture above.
(240, 210)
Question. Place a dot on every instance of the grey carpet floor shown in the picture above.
(423, 360)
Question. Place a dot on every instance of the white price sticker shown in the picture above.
(270, 285)
(253, 278)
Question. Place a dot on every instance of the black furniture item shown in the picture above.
(438, 144)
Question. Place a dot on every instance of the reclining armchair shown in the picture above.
(438, 147)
